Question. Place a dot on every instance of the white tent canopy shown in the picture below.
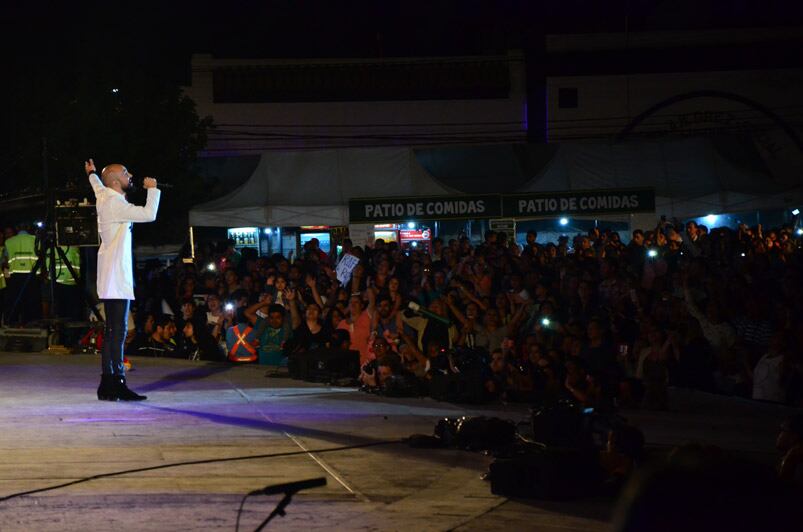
(313, 187)
(691, 177)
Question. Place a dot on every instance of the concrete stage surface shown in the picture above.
(54, 430)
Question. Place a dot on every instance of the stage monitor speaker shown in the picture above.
(77, 226)
(23, 340)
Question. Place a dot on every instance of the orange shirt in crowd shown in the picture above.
(360, 332)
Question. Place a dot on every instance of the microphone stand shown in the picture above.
(279, 510)
(289, 489)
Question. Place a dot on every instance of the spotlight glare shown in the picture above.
(799, 231)
(795, 212)
(211, 267)
(410, 225)
(564, 221)
(652, 253)
(711, 218)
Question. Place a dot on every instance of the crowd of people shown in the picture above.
(588, 318)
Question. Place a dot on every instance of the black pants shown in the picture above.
(114, 335)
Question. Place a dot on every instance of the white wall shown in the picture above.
(449, 121)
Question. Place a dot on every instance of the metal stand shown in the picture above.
(279, 510)
(46, 240)
(48, 248)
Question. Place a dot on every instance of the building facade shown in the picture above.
(712, 83)
(272, 104)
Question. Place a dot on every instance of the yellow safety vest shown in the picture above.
(21, 253)
(62, 272)
(2, 259)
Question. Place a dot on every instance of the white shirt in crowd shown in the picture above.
(767, 379)
(720, 335)
(115, 215)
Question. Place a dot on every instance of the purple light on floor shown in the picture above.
(107, 419)
(525, 121)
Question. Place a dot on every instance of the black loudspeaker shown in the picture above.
(76, 226)
(324, 365)
(552, 473)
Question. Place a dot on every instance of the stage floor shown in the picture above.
(53, 430)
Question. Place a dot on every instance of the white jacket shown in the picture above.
(115, 215)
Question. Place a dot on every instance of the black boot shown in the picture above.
(107, 390)
(123, 393)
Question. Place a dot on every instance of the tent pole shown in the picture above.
(192, 244)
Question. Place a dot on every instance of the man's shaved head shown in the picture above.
(116, 173)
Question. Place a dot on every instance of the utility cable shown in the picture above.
(200, 462)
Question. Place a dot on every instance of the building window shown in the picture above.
(567, 97)
(438, 80)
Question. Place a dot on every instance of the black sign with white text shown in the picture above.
(605, 201)
(534, 205)
(427, 208)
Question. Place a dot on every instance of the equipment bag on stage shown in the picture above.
(324, 365)
(241, 343)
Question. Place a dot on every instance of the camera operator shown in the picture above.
(386, 375)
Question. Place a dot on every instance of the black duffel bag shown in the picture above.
(324, 365)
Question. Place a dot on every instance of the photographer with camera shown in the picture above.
(386, 374)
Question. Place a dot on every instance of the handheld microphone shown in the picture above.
(290, 487)
(159, 184)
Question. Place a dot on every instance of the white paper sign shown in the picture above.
(345, 267)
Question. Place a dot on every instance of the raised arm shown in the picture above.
(371, 292)
(127, 212)
(92, 174)
(251, 312)
(473, 298)
(313, 286)
(295, 315)
(456, 311)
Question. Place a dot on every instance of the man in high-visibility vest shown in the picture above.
(21, 250)
(3, 273)
(68, 297)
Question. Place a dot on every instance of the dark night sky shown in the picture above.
(162, 35)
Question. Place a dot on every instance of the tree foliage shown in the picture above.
(108, 106)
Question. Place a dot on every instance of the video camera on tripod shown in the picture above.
(67, 224)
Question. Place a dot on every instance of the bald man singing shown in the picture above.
(115, 267)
